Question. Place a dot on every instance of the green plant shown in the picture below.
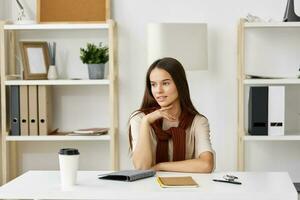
(93, 54)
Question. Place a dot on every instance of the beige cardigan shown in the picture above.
(197, 136)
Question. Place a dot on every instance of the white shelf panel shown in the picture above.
(272, 138)
(57, 82)
(58, 138)
(55, 26)
(271, 81)
(271, 24)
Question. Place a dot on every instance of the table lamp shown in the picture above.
(290, 14)
(22, 15)
(186, 42)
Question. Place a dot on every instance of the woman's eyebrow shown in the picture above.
(161, 80)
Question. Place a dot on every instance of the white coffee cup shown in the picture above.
(68, 164)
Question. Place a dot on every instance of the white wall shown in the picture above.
(214, 92)
(5, 9)
(1, 9)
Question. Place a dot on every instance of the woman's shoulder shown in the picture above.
(200, 119)
(136, 116)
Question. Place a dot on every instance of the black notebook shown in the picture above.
(128, 175)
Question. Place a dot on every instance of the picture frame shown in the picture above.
(35, 59)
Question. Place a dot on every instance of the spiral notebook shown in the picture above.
(127, 175)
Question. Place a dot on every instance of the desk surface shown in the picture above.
(46, 185)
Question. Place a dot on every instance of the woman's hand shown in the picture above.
(142, 155)
(160, 113)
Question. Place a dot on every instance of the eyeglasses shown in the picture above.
(230, 178)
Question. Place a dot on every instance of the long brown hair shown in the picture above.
(176, 70)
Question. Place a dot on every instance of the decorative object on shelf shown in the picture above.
(186, 42)
(52, 72)
(22, 17)
(35, 57)
(90, 131)
(299, 73)
(49, 11)
(95, 57)
(253, 18)
(290, 14)
(13, 77)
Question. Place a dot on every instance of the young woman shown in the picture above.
(167, 133)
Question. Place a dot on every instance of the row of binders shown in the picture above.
(266, 110)
(30, 110)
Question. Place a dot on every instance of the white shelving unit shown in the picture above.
(271, 24)
(272, 138)
(8, 41)
(58, 138)
(61, 26)
(57, 82)
(244, 81)
(271, 81)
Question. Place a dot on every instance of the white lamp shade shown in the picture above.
(186, 42)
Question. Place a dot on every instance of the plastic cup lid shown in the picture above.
(68, 151)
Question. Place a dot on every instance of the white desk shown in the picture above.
(46, 185)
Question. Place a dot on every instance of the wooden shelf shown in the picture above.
(55, 26)
(271, 81)
(58, 138)
(272, 24)
(57, 82)
(272, 138)
(289, 136)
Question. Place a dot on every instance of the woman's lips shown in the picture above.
(161, 98)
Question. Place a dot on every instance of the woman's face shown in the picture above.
(163, 87)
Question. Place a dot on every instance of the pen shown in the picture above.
(225, 181)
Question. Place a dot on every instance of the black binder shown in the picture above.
(15, 110)
(258, 111)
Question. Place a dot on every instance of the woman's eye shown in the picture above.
(166, 83)
(153, 84)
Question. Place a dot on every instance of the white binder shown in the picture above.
(276, 114)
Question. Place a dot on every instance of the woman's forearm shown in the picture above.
(197, 165)
(142, 155)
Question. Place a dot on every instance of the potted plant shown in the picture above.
(95, 57)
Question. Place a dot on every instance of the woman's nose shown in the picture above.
(159, 88)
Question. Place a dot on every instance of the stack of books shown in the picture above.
(90, 131)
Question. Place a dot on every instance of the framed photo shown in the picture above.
(35, 57)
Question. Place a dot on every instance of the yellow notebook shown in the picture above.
(182, 181)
